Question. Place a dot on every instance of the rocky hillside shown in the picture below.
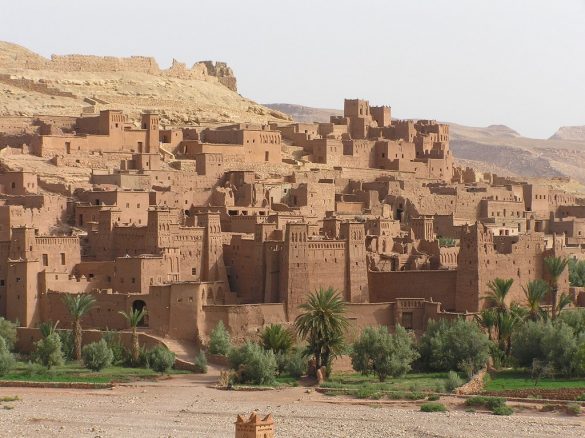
(305, 114)
(571, 133)
(68, 85)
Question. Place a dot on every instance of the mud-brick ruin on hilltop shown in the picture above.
(238, 223)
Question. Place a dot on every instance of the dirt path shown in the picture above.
(185, 406)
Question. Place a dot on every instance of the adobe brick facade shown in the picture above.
(225, 223)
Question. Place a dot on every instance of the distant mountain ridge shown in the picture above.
(305, 114)
(572, 133)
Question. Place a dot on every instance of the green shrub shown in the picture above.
(48, 351)
(575, 318)
(253, 364)
(573, 409)
(48, 327)
(526, 342)
(440, 387)
(120, 355)
(383, 354)
(577, 272)
(549, 408)
(449, 345)
(433, 397)
(433, 407)
(201, 362)
(6, 358)
(560, 344)
(415, 395)
(67, 344)
(160, 359)
(502, 410)
(219, 340)
(581, 397)
(33, 369)
(484, 401)
(495, 404)
(296, 363)
(97, 355)
(453, 381)
(367, 391)
(8, 332)
(277, 338)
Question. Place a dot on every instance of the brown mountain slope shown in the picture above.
(574, 133)
(305, 114)
(68, 85)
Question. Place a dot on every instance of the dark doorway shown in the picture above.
(140, 305)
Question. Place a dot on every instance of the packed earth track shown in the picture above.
(188, 406)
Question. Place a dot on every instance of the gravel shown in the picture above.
(185, 407)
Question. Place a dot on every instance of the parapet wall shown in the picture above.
(139, 64)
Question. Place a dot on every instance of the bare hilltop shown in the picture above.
(71, 84)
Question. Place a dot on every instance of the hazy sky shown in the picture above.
(475, 62)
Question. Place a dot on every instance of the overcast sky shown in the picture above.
(475, 62)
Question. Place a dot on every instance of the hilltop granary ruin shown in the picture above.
(238, 223)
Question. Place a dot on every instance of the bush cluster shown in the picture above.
(160, 359)
(433, 407)
(383, 354)
(495, 404)
(219, 340)
(560, 345)
(48, 351)
(201, 362)
(6, 358)
(453, 381)
(97, 355)
(454, 345)
(253, 364)
(296, 362)
(8, 333)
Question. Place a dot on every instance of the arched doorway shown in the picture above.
(140, 305)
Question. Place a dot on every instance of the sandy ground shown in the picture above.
(185, 406)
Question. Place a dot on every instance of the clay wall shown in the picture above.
(577, 211)
(243, 322)
(88, 63)
(501, 210)
(536, 199)
(18, 183)
(438, 286)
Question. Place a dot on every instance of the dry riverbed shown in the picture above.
(185, 406)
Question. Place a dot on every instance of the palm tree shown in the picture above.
(323, 324)
(535, 292)
(78, 306)
(506, 323)
(499, 289)
(564, 301)
(276, 338)
(134, 319)
(47, 328)
(487, 319)
(555, 267)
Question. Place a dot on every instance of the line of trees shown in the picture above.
(58, 346)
